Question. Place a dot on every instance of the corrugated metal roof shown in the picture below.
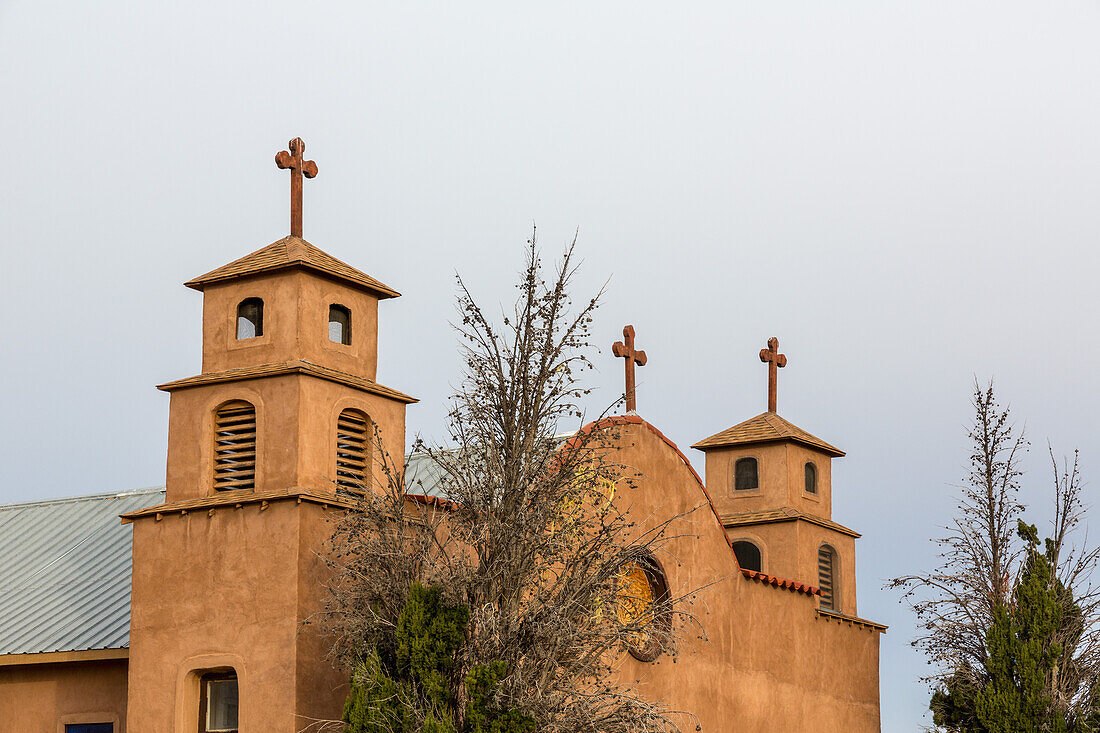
(65, 576)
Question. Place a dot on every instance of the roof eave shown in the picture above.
(381, 291)
(705, 445)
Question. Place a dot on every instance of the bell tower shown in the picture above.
(771, 482)
(265, 445)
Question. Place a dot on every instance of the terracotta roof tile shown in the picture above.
(293, 252)
(766, 427)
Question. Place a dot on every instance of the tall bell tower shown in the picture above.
(264, 447)
(771, 482)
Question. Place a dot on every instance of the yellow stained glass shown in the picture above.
(635, 599)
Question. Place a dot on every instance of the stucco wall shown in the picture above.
(229, 590)
(767, 661)
(41, 698)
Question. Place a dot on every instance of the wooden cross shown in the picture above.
(627, 351)
(775, 360)
(298, 168)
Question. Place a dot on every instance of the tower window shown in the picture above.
(352, 456)
(826, 577)
(219, 703)
(235, 446)
(339, 324)
(811, 478)
(250, 318)
(744, 472)
(748, 555)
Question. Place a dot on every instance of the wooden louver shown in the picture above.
(825, 577)
(352, 457)
(235, 446)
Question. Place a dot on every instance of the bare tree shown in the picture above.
(980, 562)
(954, 604)
(528, 536)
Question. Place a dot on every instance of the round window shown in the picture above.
(641, 591)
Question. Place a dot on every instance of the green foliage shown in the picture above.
(482, 716)
(953, 706)
(416, 691)
(1023, 653)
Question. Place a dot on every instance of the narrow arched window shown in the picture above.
(748, 555)
(352, 455)
(235, 446)
(744, 472)
(339, 324)
(826, 578)
(811, 478)
(250, 318)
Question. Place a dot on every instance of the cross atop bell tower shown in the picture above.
(774, 360)
(295, 161)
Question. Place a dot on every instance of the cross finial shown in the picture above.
(774, 360)
(627, 351)
(298, 168)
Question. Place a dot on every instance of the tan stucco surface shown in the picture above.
(41, 698)
(767, 662)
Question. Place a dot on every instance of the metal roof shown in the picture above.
(65, 575)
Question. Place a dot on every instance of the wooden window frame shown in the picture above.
(203, 695)
(353, 464)
(345, 339)
(228, 454)
(759, 553)
(756, 471)
(808, 470)
(832, 601)
(259, 323)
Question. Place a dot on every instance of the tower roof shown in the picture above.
(290, 252)
(767, 427)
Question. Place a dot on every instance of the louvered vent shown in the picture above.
(235, 446)
(825, 571)
(352, 436)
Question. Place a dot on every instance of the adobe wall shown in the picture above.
(41, 698)
(768, 662)
(296, 431)
(229, 590)
(781, 467)
(295, 323)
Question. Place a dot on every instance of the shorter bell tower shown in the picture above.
(265, 445)
(771, 482)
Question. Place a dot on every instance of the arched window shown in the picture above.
(641, 601)
(250, 318)
(748, 555)
(352, 455)
(339, 324)
(744, 472)
(219, 703)
(235, 446)
(811, 478)
(827, 578)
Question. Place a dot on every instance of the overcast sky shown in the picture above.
(905, 193)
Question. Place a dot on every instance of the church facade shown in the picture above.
(184, 608)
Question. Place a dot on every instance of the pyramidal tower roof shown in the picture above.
(767, 427)
(293, 252)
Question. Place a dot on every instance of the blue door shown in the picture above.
(90, 728)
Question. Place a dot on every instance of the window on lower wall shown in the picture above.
(90, 728)
(748, 555)
(218, 703)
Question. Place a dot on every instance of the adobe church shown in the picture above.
(181, 609)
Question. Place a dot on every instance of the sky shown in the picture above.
(905, 194)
